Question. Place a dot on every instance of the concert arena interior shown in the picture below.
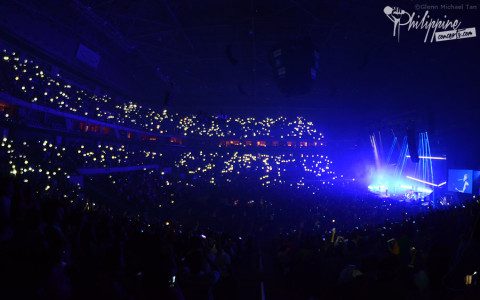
(239, 149)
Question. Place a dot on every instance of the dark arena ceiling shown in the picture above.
(191, 43)
(214, 55)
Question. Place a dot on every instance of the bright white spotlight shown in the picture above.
(431, 157)
(422, 181)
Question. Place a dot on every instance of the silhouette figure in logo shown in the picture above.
(395, 14)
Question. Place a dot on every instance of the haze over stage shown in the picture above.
(395, 175)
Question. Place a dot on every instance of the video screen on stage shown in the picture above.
(476, 183)
(460, 181)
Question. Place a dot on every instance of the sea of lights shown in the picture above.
(32, 82)
(310, 171)
(45, 159)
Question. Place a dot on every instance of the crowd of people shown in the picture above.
(51, 249)
(31, 81)
(141, 241)
(88, 218)
(46, 157)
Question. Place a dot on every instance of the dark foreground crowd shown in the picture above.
(235, 244)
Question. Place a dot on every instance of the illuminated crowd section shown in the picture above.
(32, 82)
(303, 170)
(49, 165)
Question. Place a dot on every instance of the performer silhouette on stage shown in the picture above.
(465, 184)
